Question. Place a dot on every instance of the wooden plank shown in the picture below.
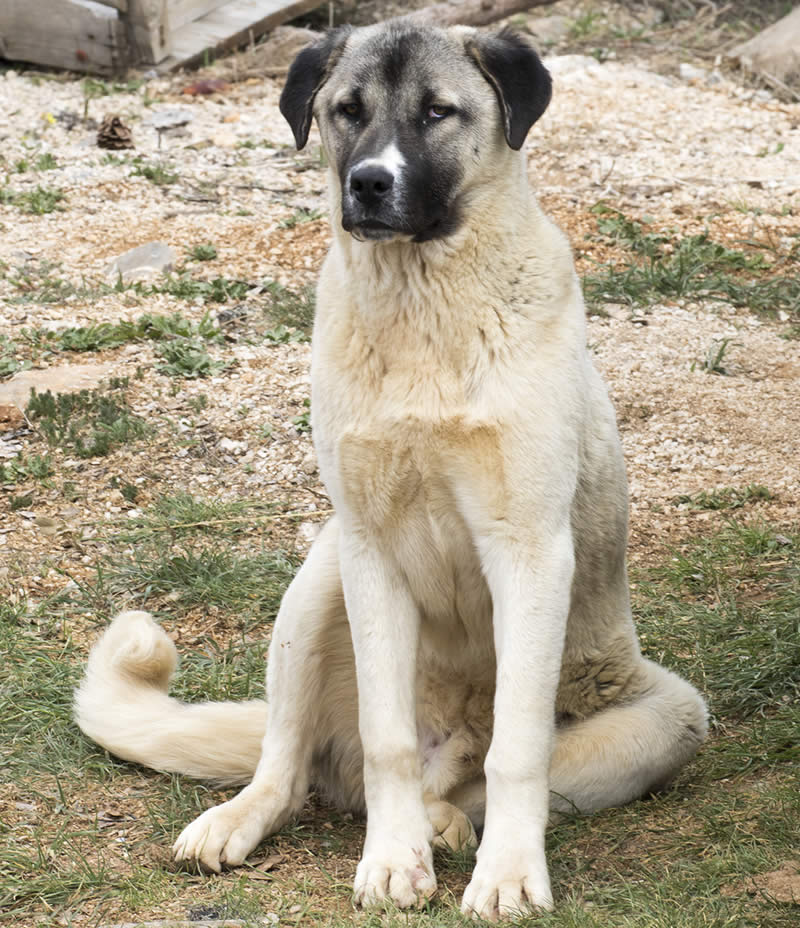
(148, 25)
(77, 34)
(182, 12)
(121, 5)
(229, 26)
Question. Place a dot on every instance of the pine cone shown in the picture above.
(113, 133)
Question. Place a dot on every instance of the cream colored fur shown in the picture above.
(459, 641)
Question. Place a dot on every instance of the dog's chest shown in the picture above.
(407, 481)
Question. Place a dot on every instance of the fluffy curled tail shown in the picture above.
(123, 705)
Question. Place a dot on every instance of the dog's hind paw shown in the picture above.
(452, 830)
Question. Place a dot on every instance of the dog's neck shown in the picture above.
(450, 299)
(390, 277)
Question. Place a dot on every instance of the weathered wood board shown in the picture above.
(108, 36)
(78, 34)
(235, 23)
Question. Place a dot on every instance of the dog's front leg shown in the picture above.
(530, 587)
(397, 862)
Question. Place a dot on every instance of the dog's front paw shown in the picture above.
(513, 886)
(226, 834)
(402, 874)
(452, 830)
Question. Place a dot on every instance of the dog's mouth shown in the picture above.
(373, 230)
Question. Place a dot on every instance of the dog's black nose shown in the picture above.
(370, 183)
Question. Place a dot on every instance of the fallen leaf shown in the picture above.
(206, 87)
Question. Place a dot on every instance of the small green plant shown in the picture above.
(188, 358)
(21, 166)
(303, 422)
(10, 361)
(284, 335)
(111, 158)
(46, 162)
(203, 252)
(715, 356)
(299, 216)
(38, 282)
(198, 403)
(94, 87)
(724, 498)
(129, 491)
(21, 502)
(39, 201)
(89, 423)
(158, 174)
(22, 467)
(585, 25)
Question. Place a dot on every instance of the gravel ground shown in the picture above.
(686, 154)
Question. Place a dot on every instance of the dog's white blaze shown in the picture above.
(391, 159)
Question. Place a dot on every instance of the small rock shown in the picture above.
(10, 417)
(225, 139)
(171, 118)
(233, 447)
(46, 525)
(691, 73)
(144, 261)
(66, 379)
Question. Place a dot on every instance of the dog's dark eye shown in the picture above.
(351, 110)
(438, 111)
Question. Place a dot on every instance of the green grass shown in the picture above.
(37, 202)
(88, 423)
(666, 267)
(104, 335)
(158, 174)
(38, 282)
(184, 286)
(723, 610)
(299, 216)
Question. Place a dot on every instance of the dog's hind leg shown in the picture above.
(618, 754)
(305, 630)
(631, 748)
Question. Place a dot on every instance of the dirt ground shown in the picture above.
(681, 150)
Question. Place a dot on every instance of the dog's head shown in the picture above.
(412, 117)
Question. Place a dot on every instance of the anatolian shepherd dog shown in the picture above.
(457, 651)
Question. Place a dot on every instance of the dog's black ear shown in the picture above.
(308, 73)
(520, 80)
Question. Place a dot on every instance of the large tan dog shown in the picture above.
(458, 645)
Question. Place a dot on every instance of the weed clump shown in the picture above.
(89, 423)
(669, 267)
